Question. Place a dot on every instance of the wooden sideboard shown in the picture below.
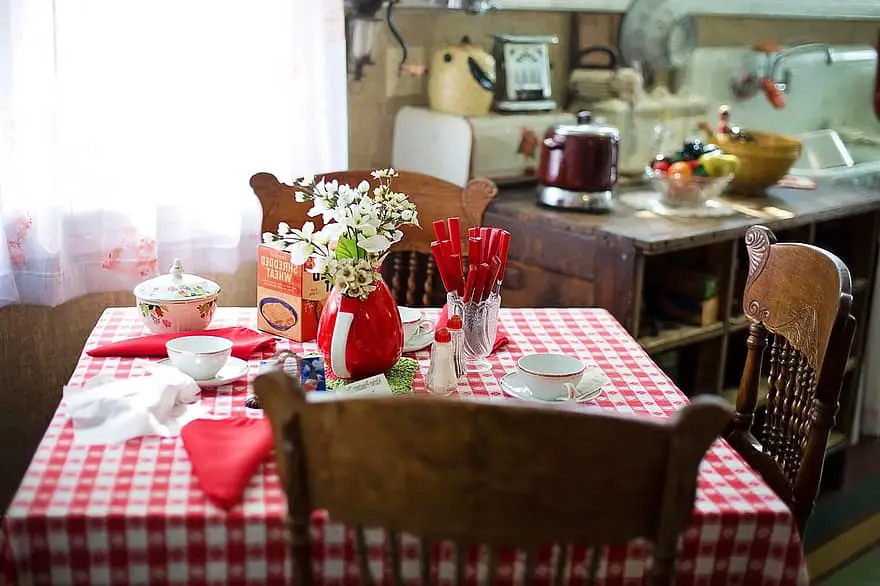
(562, 258)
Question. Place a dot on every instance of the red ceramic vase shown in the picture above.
(359, 339)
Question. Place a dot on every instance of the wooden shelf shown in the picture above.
(729, 394)
(682, 335)
(836, 442)
(738, 323)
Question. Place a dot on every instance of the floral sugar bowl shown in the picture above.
(177, 302)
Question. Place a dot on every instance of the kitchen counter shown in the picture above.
(564, 258)
(783, 208)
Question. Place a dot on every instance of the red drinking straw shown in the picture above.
(440, 261)
(494, 270)
(456, 279)
(469, 286)
(503, 249)
(440, 230)
(475, 251)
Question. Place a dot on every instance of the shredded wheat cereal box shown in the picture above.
(289, 298)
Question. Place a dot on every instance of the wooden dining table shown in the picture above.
(133, 513)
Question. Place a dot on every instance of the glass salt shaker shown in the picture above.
(441, 379)
(454, 326)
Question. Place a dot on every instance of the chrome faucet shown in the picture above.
(769, 77)
(784, 84)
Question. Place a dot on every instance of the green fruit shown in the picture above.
(720, 165)
(733, 162)
(713, 166)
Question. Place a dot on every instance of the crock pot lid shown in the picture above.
(587, 127)
(176, 286)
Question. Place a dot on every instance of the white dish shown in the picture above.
(822, 149)
(412, 321)
(421, 340)
(233, 370)
(201, 357)
(550, 376)
(512, 385)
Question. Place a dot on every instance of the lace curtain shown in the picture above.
(129, 130)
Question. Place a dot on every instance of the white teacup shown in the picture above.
(413, 324)
(550, 376)
(201, 357)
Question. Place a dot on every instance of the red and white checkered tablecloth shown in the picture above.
(133, 513)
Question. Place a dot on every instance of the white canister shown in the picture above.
(644, 131)
(695, 110)
(669, 116)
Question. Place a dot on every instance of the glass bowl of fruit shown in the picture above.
(693, 175)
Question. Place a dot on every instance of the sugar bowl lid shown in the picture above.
(176, 286)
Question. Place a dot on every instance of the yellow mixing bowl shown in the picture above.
(764, 161)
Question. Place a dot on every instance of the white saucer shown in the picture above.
(421, 340)
(513, 386)
(234, 369)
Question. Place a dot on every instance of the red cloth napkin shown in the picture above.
(245, 342)
(501, 339)
(225, 454)
(793, 182)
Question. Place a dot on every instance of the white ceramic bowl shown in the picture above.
(201, 357)
(550, 376)
(177, 302)
(163, 317)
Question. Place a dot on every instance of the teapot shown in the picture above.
(461, 80)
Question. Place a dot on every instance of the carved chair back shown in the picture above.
(409, 270)
(798, 298)
(476, 472)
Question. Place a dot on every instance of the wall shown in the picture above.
(372, 113)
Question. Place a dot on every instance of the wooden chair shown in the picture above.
(801, 296)
(411, 261)
(476, 472)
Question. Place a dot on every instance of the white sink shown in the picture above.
(857, 170)
(825, 155)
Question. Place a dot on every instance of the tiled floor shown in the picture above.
(843, 538)
(863, 461)
(864, 571)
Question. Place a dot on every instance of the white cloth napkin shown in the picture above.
(109, 410)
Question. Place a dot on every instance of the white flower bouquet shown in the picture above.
(360, 226)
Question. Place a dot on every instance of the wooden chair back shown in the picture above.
(475, 472)
(799, 296)
(409, 270)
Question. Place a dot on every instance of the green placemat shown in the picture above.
(400, 377)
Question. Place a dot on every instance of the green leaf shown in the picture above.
(346, 248)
